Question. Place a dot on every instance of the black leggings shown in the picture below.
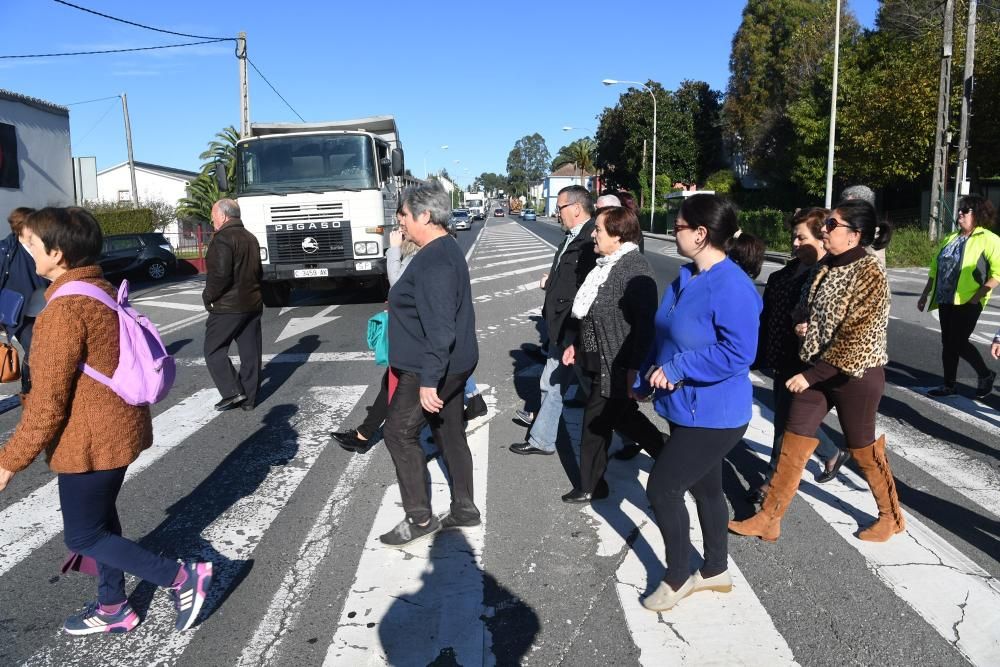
(691, 460)
(957, 325)
(377, 410)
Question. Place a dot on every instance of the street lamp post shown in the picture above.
(444, 148)
(833, 111)
(652, 188)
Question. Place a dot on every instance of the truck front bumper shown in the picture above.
(348, 269)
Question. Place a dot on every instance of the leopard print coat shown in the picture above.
(848, 310)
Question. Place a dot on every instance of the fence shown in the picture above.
(190, 245)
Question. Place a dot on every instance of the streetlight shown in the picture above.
(652, 189)
(568, 128)
(444, 148)
(833, 111)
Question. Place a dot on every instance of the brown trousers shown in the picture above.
(856, 400)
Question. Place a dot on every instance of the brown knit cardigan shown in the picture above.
(81, 424)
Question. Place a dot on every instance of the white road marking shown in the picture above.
(231, 539)
(507, 274)
(956, 597)
(35, 519)
(508, 254)
(180, 324)
(961, 408)
(533, 258)
(524, 287)
(539, 238)
(290, 358)
(172, 305)
(300, 325)
(400, 596)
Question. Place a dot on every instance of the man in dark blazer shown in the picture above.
(233, 299)
(574, 259)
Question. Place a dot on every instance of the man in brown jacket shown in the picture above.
(233, 299)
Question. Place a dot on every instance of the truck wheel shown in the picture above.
(276, 295)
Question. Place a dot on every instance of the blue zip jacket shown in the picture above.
(706, 339)
(19, 275)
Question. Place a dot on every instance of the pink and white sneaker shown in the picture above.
(189, 595)
(92, 620)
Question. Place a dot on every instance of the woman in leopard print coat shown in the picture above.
(844, 320)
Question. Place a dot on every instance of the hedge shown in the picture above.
(125, 221)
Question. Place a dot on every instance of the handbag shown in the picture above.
(378, 337)
(10, 364)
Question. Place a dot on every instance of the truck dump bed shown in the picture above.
(382, 126)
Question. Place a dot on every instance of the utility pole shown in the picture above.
(128, 143)
(241, 55)
(961, 171)
(833, 109)
(939, 177)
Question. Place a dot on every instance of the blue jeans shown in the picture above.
(556, 379)
(91, 528)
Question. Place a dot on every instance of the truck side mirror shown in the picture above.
(397, 162)
(221, 178)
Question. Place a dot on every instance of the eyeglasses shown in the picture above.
(831, 224)
(560, 208)
(965, 210)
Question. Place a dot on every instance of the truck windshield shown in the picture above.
(306, 163)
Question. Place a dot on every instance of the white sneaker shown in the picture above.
(720, 583)
(664, 597)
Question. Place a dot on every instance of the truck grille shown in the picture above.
(309, 212)
(309, 245)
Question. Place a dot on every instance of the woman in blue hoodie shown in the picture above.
(17, 273)
(706, 339)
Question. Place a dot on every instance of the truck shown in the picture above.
(476, 203)
(321, 199)
(514, 205)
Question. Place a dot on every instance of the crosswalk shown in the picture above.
(427, 603)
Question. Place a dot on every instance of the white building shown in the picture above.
(36, 168)
(153, 181)
(565, 175)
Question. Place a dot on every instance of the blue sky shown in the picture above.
(473, 76)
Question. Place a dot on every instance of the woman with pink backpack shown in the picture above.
(89, 433)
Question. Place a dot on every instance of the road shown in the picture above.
(291, 521)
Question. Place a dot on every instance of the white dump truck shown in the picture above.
(476, 203)
(321, 199)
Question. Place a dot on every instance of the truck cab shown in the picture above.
(321, 199)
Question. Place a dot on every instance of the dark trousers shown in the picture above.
(403, 424)
(377, 410)
(691, 460)
(856, 400)
(91, 527)
(957, 325)
(221, 330)
(826, 450)
(601, 418)
(23, 336)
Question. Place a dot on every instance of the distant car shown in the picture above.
(498, 213)
(149, 256)
(529, 215)
(460, 219)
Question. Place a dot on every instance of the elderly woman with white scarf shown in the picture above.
(616, 306)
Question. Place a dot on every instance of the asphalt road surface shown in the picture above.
(291, 521)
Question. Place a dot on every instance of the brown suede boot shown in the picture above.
(766, 524)
(875, 467)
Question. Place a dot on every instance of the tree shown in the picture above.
(580, 153)
(203, 191)
(527, 162)
(490, 182)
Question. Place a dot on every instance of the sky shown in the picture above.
(475, 77)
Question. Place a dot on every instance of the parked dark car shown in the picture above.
(146, 256)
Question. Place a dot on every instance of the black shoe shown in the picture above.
(528, 448)
(449, 521)
(231, 402)
(523, 418)
(757, 496)
(248, 406)
(942, 391)
(985, 385)
(350, 441)
(843, 456)
(406, 532)
(627, 453)
(576, 496)
(475, 408)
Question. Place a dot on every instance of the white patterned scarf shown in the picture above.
(588, 290)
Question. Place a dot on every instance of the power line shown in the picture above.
(94, 126)
(99, 99)
(138, 25)
(90, 53)
(275, 90)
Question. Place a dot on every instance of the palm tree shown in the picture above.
(203, 191)
(222, 149)
(580, 153)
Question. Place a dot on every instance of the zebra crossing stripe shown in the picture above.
(533, 258)
(959, 599)
(35, 519)
(507, 274)
(229, 540)
(398, 594)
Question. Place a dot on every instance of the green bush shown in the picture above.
(721, 182)
(125, 221)
(769, 225)
(663, 221)
(909, 246)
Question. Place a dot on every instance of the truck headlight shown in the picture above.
(366, 248)
(263, 254)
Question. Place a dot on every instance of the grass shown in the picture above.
(909, 247)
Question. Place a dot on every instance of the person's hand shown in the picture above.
(797, 384)
(922, 302)
(659, 380)
(396, 238)
(545, 279)
(801, 329)
(5, 477)
(430, 401)
(569, 356)
(633, 394)
(995, 350)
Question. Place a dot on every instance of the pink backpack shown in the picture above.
(145, 370)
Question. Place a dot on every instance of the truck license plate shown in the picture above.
(362, 266)
(311, 273)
